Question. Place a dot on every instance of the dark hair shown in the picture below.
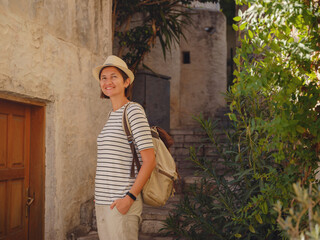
(124, 76)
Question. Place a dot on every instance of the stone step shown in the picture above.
(192, 171)
(91, 236)
(153, 237)
(192, 179)
(183, 140)
(142, 236)
(187, 146)
(183, 131)
(188, 164)
(184, 153)
(153, 217)
(194, 132)
(150, 212)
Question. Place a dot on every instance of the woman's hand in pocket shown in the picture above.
(123, 204)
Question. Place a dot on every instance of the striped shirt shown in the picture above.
(114, 153)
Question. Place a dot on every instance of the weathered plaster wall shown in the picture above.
(205, 79)
(195, 87)
(48, 48)
(168, 67)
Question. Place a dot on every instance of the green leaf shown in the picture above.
(243, 26)
(235, 27)
(237, 18)
(236, 60)
(264, 207)
(251, 229)
(238, 235)
(258, 218)
(300, 129)
(250, 33)
(275, 47)
(232, 116)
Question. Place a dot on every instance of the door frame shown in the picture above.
(37, 168)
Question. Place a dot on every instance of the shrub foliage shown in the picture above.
(275, 139)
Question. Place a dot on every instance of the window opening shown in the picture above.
(186, 57)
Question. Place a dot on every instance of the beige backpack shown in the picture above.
(160, 185)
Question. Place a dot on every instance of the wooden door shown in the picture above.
(14, 169)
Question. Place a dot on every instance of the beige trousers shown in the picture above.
(112, 225)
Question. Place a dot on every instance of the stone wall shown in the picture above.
(48, 48)
(198, 86)
(204, 79)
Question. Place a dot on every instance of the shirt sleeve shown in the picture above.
(140, 127)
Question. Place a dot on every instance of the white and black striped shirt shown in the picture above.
(114, 154)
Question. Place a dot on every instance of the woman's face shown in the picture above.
(112, 83)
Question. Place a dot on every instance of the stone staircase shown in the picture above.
(153, 217)
(183, 140)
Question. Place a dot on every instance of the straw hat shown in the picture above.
(113, 61)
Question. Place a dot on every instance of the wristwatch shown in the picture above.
(131, 196)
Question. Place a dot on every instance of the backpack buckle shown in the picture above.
(130, 139)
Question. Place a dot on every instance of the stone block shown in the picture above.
(94, 220)
(186, 165)
(177, 144)
(196, 145)
(178, 138)
(91, 236)
(155, 215)
(79, 231)
(192, 179)
(151, 226)
(194, 138)
(181, 152)
(181, 131)
(172, 150)
(211, 152)
(86, 211)
(152, 237)
(180, 159)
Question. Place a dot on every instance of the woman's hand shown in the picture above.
(123, 204)
(148, 158)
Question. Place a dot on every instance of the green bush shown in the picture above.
(237, 201)
(275, 139)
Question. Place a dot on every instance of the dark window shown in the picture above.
(186, 57)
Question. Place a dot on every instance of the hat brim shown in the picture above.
(127, 71)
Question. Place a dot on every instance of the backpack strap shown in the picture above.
(127, 129)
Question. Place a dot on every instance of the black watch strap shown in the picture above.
(131, 196)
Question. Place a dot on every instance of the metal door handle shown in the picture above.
(30, 201)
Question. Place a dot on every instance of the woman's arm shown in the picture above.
(148, 158)
(149, 163)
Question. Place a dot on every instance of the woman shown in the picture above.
(117, 195)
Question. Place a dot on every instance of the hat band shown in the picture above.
(111, 65)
